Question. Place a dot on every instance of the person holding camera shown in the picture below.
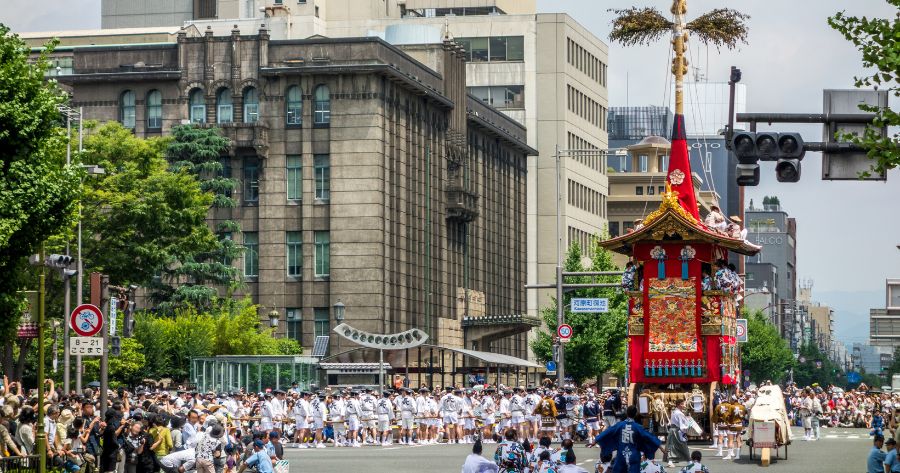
(139, 457)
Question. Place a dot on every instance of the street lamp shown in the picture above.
(273, 318)
(339, 309)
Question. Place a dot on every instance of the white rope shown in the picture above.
(665, 105)
(699, 119)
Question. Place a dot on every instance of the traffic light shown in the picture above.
(748, 174)
(58, 261)
(790, 147)
(750, 148)
(767, 146)
(128, 325)
(115, 346)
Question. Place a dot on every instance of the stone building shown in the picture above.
(367, 176)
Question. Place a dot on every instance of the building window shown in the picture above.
(294, 242)
(224, 108)
(651, 190)
(642, 163)
(59, 66)
(323, 106)
(154, 110)
(226, 173)
(294, 319)
(501, 96)
(322, 176)
(251, 180)
(322, 321)
(294, 177)
(251, 105)
(662, 190)
(226, 260)
(707, 162)
(294, 105)
(494, 48)
(198, 106)
(613, 229)
(323, 254)
(664, 163)
(251, 254)
(126, 109)
(639, 190)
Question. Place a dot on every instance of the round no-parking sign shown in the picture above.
(564, 331)
(86, 320)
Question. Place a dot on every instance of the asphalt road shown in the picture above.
(839, 450)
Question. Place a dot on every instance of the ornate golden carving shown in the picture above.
(669, 203)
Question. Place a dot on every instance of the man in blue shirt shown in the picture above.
(891, 462)
(875, 462)
(260, 459)
(630, 440)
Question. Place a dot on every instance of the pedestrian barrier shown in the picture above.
(26, 464)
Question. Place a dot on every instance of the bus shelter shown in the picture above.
(252, 373)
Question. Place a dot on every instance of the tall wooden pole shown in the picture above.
(679, 45)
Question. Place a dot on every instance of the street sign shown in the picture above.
(741, 330)
(565, 332)
(590, 305)
(113, 312)
(853, 377)
(86, 346)
(551, 366)
(86, 320)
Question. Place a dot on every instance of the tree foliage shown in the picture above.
(598, 342)
(814, 366)
(765, 355)
(37, 189)
(148, 216)
(229, 328)
(198, 152)
(140, 215)
(878, 40)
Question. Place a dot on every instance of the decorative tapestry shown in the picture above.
(673, 311)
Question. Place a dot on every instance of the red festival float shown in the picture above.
(681, 331)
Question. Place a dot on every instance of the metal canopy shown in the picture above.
(496, 358)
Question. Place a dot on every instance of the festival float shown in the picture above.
(681, 337)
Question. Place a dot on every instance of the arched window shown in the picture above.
(294, 105)
(251, 105)
(323, 106)
(126, 109)
(198, 106)
(224, 108)
(154, 110)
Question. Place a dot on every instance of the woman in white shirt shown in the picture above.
(475, 463)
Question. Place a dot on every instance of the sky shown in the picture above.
(847, 232)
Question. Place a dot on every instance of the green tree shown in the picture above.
(765, 355)
(814, 366)
(771, 200)
(878, 40)
(38, 191)
(141, 215)
(229, 328)
(598, 342)
(199, 151)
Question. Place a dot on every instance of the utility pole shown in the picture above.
(104, 358)
(41, 437)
